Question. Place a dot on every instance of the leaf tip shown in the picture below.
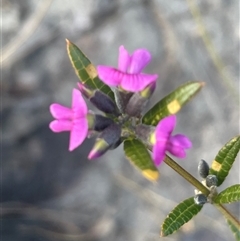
(151, 175)
(69, 43)
(162, 234)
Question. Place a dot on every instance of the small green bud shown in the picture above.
(203, 169)
(200, 199)
(211, 180)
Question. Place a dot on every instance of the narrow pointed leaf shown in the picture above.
(235, 230)
(139, 156)
(224, 160)
(180, 215)
(229, 195)
(172, 103)
(85, 70)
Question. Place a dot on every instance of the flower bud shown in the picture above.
(139, 100)
(122, 97)
(99, 99)
(85, 90)
(145, 133)
(98, 122)
(102, 122)
(203, 169)
(211, 180)
(114, 146)
(108, 139)
(200, 199)
(148, 91)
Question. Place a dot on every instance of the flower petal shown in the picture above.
(60, 112)
(137, 82)
(165, 128)
(78, 133)
(177, 151)
(158, 154)
(109, 75)
(60, 125)
(123, 59)
(181, 140)
(79, 106)
(139, 59)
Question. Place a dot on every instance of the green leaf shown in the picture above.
(224, 159)
(180, 215)
(139, 156)
(229, 195)
(85, 70)
(235, 230)
(172, 103)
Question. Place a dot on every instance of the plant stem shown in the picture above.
(228, 215)
(186, 175)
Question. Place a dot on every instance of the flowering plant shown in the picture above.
(121, 94)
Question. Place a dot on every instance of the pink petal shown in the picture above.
(94, 154)
(78, 133)
(158, 154)
(177, 151)
(139, 59)
(60, 125)
(137, 82)
(109, 75)
(79, 106)
(177, 145)
(165, 128)
(123, 59)
(60, 112)
(181, 140)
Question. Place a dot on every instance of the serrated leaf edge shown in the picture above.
(193, 204)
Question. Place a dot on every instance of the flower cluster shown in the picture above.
(132, 90)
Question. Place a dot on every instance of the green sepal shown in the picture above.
(85, 70)
(172, 103)
(139, 156)
(229, 195)
(180, 215)
(224, 160)
(234, 229)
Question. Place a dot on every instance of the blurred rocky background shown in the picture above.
(51, 194)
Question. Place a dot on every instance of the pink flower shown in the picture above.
(164, 141)
(128, 75)
(71, 119)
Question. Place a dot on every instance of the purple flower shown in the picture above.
(128, 75)
(71, 119)
(164, 141)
